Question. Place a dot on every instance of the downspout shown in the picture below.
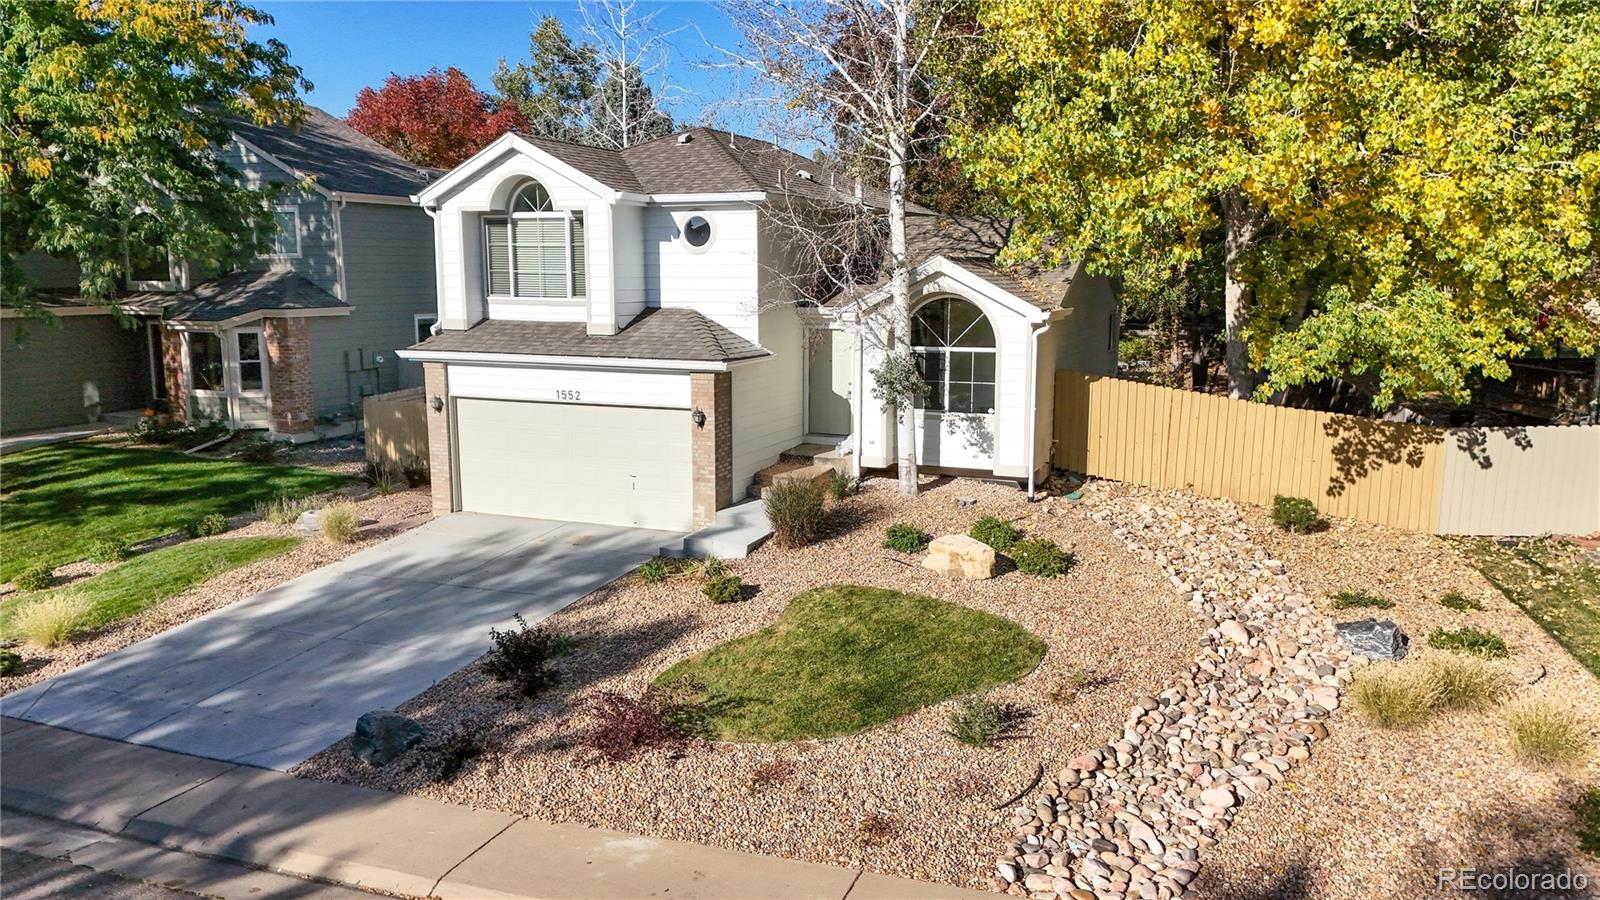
(1033, 409)
(858, 359)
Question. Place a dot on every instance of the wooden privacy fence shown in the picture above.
(397, 429)
(1447, 481)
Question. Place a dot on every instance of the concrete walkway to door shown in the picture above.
(271, 680)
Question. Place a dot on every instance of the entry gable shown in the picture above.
(940, 274)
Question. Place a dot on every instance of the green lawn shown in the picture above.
(1552, 584)
(150, 578)
(57, 499)
(845, 658)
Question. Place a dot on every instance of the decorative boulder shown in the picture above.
(309, 523)
(960, 556)
(1374, 639)
(382, 735)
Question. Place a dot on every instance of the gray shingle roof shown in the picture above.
(654, 334)
(231, 296)
(711, 161)
(973, 243)
(338, 156)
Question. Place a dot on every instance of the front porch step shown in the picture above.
(824, 454)
(738, 530)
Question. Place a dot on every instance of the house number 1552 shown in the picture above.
(567, 395)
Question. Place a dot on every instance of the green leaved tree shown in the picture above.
(1406, 193)
(112, 114)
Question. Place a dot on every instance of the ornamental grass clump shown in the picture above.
(1393, 697)
(996, 532)
(340, 521)
(903, 537)
(795, 509)
(1547, 734)
(1463, 682)
(50, 621)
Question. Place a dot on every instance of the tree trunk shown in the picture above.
(1239, 230)
(899, 146)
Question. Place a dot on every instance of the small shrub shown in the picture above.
(1587, 809)
(795, 510)
(1066, 687)
(1352, 599)
(35, 578)
(1546, 734)
(876, 828)
(838, 485)
(1041, 558)
(664, 716)
(340, 521)
(769, 775)
(108, 549)
(654, 571)
(10, 662)
(208, 525)
(383, 479)
(1467, 639)
(996, 532)
(523, 656)
(1394, 698)
(1296, 514)
(724, 588)
(453, 752)
(975, 721)
(49, 621)
(1463, 682)
(906, 538)
(1459, 601)
(258, 451)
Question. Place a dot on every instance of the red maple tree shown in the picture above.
(433, 119)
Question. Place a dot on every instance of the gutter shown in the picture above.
(1033, 410)
(575, 362)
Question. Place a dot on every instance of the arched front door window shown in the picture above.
(954, 347)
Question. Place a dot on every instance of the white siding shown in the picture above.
(584, 386)
(720, 281)
(1088, 341)
(626, 252)
(768, 399)
(460, 245)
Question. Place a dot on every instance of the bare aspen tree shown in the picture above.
(632, 55)
(855, 77)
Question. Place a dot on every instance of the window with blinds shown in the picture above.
(536, 257)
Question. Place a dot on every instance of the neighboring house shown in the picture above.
(303, 336)
(618, 344)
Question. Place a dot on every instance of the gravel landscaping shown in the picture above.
(1375, 812)
(903, 798)
(386, 516)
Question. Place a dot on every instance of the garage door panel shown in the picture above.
(606, 464)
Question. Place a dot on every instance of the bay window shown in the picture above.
(536, 251)
(954, 347)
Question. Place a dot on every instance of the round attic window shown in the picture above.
(697, 231)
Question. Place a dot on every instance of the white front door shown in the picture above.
(829, 383)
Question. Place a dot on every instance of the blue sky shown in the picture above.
(347, 45)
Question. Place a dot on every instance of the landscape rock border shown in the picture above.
(1131, 818)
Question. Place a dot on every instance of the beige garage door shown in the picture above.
(616, 465)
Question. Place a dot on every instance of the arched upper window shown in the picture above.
(537, 252)
(532, 198)
(954, 346)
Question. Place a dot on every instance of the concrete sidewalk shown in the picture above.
(387, 842)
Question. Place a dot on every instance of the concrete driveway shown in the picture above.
(271, 680)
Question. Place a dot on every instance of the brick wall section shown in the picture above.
(172, 372)
(712, 444)
(436, 383)
(288, 345)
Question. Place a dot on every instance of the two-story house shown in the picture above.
(617, 342)
(301, 335)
